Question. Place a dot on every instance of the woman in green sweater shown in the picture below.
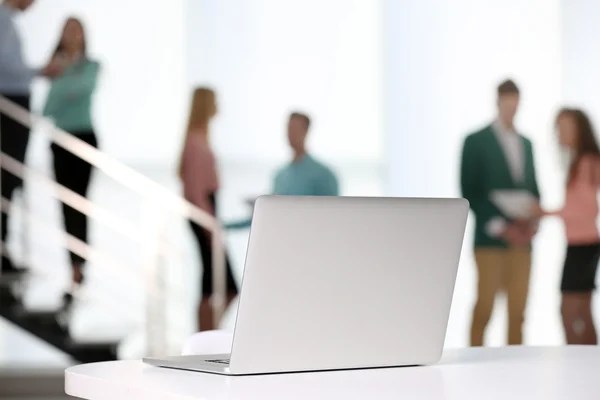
(69, 105)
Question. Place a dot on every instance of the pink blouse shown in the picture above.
(581, 204)
(199, 171)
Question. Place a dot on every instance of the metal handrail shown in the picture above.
(71, 198)
(82, 205)
(73, 244)
(78, 202)
(120, 172)
(117, 270)
(153, 194)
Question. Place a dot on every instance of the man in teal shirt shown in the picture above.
(304, 176)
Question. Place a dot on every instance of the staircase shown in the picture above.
(48, 327)
(149, 234)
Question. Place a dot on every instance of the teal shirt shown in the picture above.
(69, 101)
(306, 177)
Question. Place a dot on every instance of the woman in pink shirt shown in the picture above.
(579, 214)
(198, 171)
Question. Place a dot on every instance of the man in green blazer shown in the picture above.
(494, 158)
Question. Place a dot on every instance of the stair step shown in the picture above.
(7, 297)
(10, 280)
(46, 326)
(93, 352)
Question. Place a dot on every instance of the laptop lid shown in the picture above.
(341, 283)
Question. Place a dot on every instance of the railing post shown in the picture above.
(219, 296)
(3, 249)
(152, 228)
(25, 227)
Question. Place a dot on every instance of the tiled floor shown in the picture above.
(114, 304)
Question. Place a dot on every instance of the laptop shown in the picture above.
(334, 283)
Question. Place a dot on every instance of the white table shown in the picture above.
(514, 373)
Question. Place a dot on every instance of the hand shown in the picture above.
(537, 211)
(519, 233)
(512, 235)
(53, 69)
(530, 231)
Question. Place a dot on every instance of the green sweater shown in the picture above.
(69, 101)
(484, 168)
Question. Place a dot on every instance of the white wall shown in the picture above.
(266, 57)
(581, 79)
(443, 61)
(141, 100)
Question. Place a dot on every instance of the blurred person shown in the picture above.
(304, 175)
(15, 82)
(579, 213)
(498, 157)
(198, 171)
(69, 104)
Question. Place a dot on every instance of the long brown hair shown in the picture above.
(61, 48)
(202, 110)
(585, 142)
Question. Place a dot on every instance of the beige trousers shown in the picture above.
(498, 270)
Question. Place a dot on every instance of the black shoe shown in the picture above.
(67, 300)
(70, 296)
(9, 270)
(63, 316)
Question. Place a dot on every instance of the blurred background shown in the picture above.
(392, 88)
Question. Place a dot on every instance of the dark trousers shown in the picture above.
(14, 138)
(204, 244)
(75, 174)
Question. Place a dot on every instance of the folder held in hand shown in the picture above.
(514, 204)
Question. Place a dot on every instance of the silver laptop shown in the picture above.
(336, 283)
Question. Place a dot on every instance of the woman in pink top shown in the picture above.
(579, 215)
(198, 171)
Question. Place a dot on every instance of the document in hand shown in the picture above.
(514, 204)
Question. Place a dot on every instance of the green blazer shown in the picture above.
(484, 168)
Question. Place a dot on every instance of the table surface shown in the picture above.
(514, 373)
